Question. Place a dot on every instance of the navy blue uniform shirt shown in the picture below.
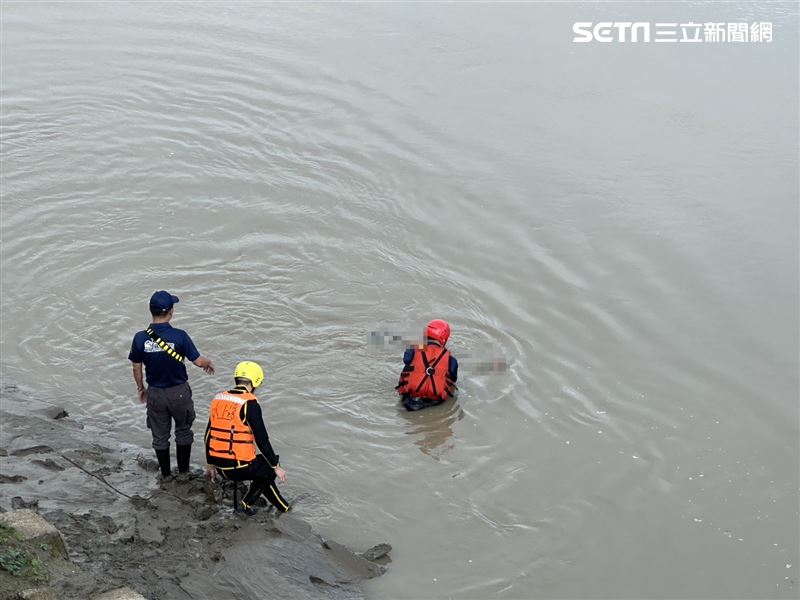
(161, 370)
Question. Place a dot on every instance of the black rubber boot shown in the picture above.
(163, 462)
(184, 454)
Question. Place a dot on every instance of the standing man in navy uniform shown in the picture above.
(163, 349)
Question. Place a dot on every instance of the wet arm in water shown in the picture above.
(408, 357)
(452, 369)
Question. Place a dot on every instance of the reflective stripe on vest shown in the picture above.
(428, 375)
(229, 436)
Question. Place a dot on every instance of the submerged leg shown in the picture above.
(412, 404)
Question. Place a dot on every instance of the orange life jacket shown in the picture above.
(229, 436)
(427, 377)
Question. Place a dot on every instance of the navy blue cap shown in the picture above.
(162, 300)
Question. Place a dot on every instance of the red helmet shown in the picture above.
(438, 330)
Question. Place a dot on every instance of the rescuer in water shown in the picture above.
(235, 432)
(430, 372)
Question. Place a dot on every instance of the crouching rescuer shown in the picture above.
(236, 433)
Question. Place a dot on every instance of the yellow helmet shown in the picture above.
(249, 370)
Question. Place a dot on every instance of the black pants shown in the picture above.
(165, 405)
(262, 481)
(412, 404)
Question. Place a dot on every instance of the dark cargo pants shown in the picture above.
(165, 405)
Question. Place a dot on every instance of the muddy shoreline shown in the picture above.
(173, 540)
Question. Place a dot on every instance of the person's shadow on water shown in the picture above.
(432, 427)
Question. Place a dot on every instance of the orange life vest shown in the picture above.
(229, 436)
(427, 377)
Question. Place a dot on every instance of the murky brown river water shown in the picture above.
(617, 222)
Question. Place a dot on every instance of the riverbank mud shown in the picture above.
(177, 539)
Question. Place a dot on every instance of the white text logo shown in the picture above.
(691, 32)
(151, 346)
